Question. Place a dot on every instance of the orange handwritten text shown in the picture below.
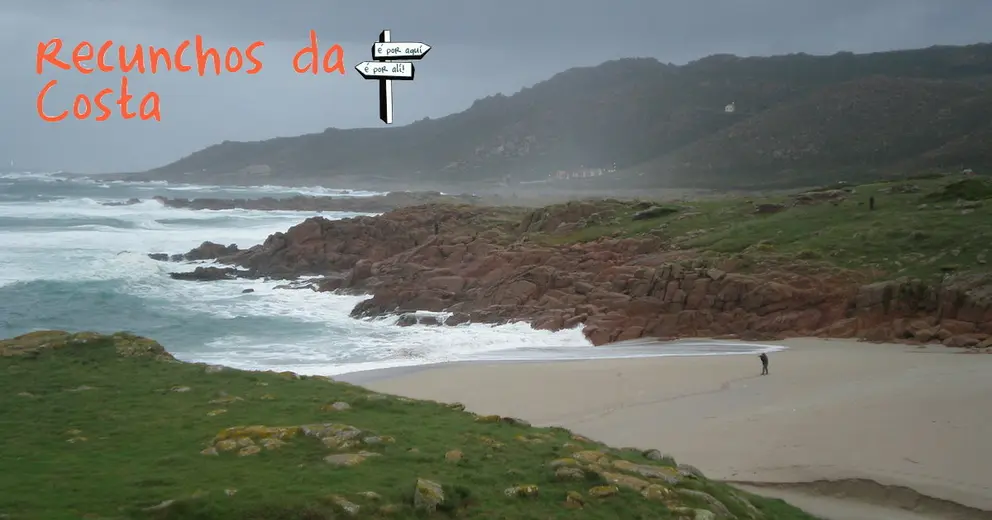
(87, 58)
(333, 59)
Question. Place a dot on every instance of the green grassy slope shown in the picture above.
(109, 427)
(920, 227)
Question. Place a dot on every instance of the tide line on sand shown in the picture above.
(633, 349)
(870, 420)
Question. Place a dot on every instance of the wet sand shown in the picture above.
(892, 430)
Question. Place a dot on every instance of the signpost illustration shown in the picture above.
(385, 68)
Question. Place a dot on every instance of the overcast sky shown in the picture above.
(479, 49)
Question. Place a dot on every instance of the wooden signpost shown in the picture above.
(386, 68)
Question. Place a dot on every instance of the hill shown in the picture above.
(111, 426)
(889, 261)
(796, 117)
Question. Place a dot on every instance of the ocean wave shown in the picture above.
(181, 189)
(71, 262)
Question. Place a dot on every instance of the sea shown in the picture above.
(69, 261)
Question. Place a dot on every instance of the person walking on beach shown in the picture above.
(764, 363)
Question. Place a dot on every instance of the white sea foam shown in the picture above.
(70, 261)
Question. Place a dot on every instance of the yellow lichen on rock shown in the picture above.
(258, 432)
(453, 456)
(574, 500)
(522, 491)
(657, 492)
(226, 445)
(427, 495)
(487, 419)
(350, 508)
(566, 461)
(529, 439)
(341, 437)
(570, 473)
(272, 444)
(590, 456)
(125, 344)
(604, 491)
(249, 450)
(348, 459)
(625, 481)
(129, 345)
(669, 474)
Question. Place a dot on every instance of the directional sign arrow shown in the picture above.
(399, 50)
(395, 70)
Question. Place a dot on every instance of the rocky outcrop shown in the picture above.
(957, 313)
(211, 274)
(482, 267)
(123, 344)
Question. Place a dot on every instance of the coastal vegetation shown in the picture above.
(923, 227)
(112, 426)
(899, 260)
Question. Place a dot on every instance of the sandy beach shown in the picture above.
(863, 421)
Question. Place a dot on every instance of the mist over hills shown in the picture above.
(795, 119)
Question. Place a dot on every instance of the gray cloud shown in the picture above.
(479, 49)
